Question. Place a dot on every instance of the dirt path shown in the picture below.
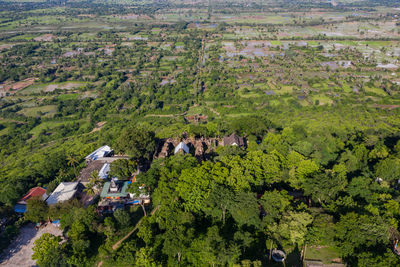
(213, 110)
(199, 68)
(119, 242)
(116, 245)
(19, 253)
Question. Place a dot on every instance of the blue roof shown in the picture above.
(20, 208)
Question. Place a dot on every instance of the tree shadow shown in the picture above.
(293, 259)
(25, 235)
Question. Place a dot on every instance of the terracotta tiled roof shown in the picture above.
(34, 192)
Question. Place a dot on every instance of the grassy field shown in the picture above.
(324, 254)
(48, 87)
(42, 111)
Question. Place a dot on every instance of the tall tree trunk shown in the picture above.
(270, 251)
(76, 175)
(143, 208)
(223, 213)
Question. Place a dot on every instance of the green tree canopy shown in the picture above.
(122, 169)
(37, 210)
(137, 143)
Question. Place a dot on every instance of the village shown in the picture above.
(200, 133)
(94, 185)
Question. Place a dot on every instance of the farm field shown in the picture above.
(251, 128)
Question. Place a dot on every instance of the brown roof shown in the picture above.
(96, 165)
(233, 139)
(34, 192)
(86, 172)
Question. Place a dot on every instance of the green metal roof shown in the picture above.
(106, 187)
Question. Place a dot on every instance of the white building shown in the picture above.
(182, 147)
(64, 192)
(101, 152)
(103, 173)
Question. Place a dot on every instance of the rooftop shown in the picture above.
(102, 165)
(34, 192)
(233, 140)
(86, 172)
(120, 191)
(181, 146)
(103, 151)
(103, 173)
(64, 191)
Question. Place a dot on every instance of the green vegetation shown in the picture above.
(312, 86)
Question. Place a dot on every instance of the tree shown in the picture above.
(293, 227)
(326, 186)
(378, 258)
(122, 169)
(123, 218)
(299, 169)
(244, 209)
(177, 241)
(144, 258)
(275, 203)
(216, 205)
(388, 169)
(37, 210)
(194, 186)
(73, 162)
(48, 252)
(137, 143)
(94, 184)
(359, 233)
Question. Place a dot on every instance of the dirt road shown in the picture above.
(19, 253)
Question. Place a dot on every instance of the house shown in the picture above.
(86, 173)
(101, 165)
(233, 140)
(181, 148)
(115, 190)
(103, 173)
(65, 191)
(115, 196)
(104, 151)
(36, 192)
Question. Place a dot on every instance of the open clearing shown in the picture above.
(20, 252)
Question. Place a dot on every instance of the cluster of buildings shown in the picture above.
(113, 194)
(199, 147)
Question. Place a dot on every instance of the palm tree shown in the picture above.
(72, 162)
(95, 179)
(90, 189)
(94, 184)
(62, 173)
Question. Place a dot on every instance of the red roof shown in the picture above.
(34, 192)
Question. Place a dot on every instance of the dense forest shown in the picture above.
(312, 87)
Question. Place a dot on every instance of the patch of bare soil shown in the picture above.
(44, 38)
(16, 86)
(99, 126)
(390, 107)
(20, 252)
(66, 86)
